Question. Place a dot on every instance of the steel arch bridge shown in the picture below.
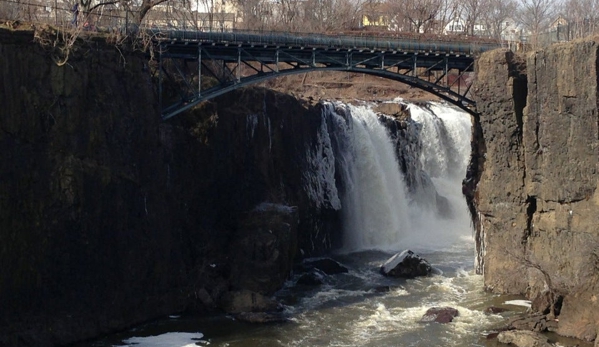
(236, 59)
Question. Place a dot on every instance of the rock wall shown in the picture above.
(110, 217)
(536, 200)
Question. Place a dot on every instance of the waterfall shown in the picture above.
(378, 210)
(374, 200)
(445, 137)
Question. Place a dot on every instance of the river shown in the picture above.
(382, 216)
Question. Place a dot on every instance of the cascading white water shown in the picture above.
(378, 212)
(375, 205)
(445, 137)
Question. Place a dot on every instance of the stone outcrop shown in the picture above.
(532, 185)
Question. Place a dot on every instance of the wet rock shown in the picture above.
(312, 278)
(495, 310)
(544, 302)
(204, 298)
(247, 301)
(326, 265)
(261, 253)
(383, 289)
(407, 265)
(495, 333)
(262, 317)
(440, 315)
(523, 338)
(536, 322)
(393, 109)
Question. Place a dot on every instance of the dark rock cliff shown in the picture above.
(536, 199)
(109, 217)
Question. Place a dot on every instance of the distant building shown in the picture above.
(221, 17)
(560, 21)
(455, 26)
(512, 30)
(458, 26)
(374, 15)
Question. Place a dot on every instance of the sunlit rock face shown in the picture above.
(536, 198)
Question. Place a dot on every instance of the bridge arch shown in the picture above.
(224, 58)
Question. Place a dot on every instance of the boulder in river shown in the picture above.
(314, 277)
(407, 265)
(440, 315)
(326, 265)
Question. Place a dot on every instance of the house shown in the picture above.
(458, 26)
(560, 21)
(455, 26)
(221, 16)
(374, 15)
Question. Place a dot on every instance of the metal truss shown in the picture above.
(234, 65)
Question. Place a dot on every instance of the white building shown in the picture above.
(455, 26)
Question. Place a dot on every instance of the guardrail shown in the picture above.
(329, 41)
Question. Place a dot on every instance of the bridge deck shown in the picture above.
(331, 42)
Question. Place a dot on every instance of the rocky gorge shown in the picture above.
(110, 217)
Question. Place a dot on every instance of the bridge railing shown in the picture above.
(329, 41)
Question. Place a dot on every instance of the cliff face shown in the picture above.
(109, 217)
(536, 200)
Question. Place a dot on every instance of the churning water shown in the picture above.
(381, 216)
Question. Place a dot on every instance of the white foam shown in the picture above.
(524, 303)
(172, 339)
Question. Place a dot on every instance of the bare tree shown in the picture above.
(348, 13)
(415, 13)
(496, 14)
(255, 13)
(12, 10)
(582, 16)
(448, 12)
(472, 11)
(536, 16)
(138, 9)
(289, 15)
(329, 15)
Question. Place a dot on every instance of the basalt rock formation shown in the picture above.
(110, 217)
(532, 184)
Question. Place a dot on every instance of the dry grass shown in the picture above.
(345, 86)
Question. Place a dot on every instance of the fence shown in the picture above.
(170, 15)
(60, 13)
